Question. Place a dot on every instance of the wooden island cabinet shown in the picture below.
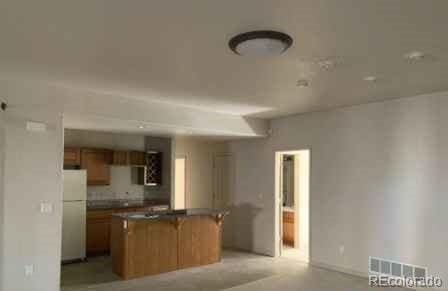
(98, 226)
(166, 242)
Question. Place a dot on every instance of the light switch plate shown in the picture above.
(29, 270)
(36, 126)
(46, 207)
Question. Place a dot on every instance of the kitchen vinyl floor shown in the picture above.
(238, 271)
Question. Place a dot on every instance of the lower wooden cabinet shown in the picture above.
(98, 237)
(98, 231)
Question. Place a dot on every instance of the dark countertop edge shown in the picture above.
(165, 215)
(119, 204)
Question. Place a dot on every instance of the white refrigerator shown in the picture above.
(74, 215)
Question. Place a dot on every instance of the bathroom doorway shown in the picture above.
(180, 182)
(292, 196)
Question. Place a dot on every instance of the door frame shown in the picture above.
(230, 156)
(182, 156)
(278, 205)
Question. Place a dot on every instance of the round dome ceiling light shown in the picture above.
(302, 83)
(414, 56)
(260, 43)
(329, 64)
(371, 79)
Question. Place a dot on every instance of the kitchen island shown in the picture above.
(99, 220)
(149, 243)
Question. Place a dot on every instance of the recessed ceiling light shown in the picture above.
(303, 83)
(372, 79)
(141, 126)
(328, 64)
(414, 56)
(260, 43)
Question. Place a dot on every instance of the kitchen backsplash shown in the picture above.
(120, 187)
(98, 194)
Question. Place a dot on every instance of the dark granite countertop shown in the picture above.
(125, 203)
(171, 214)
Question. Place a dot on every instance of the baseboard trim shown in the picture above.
(338, 269)
(74, 261)
(237, 249)
(357, 273)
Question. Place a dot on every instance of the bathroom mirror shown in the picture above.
(288, 180)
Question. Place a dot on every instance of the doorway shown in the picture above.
(222, 180)
(292, 176)
(180, 193)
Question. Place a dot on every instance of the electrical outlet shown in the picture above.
(46, 207)
(29, 270)
(341, 249)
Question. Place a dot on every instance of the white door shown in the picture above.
(180, 183)
(223, 179)
(74, 215)
(73, 230)
(75, 185)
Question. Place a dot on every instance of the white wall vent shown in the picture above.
(396, 269)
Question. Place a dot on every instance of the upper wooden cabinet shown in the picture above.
(137, 158)
(97, 163)
(120, 158)
(72, 156)
(132, 158)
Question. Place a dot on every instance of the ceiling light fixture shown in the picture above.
(141, 127)
(372, 79)
(328, 64)
(303, 83)
(260, 43)
(414, 56)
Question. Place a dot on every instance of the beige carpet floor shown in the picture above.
(238, 271)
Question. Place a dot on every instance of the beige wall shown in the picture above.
(98, 139)
(378, 183)
(199, 169)
(32, 174)
(2, 211)
(121, 186)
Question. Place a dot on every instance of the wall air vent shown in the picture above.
(396, 269)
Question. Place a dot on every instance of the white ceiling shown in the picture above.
(176, 51)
